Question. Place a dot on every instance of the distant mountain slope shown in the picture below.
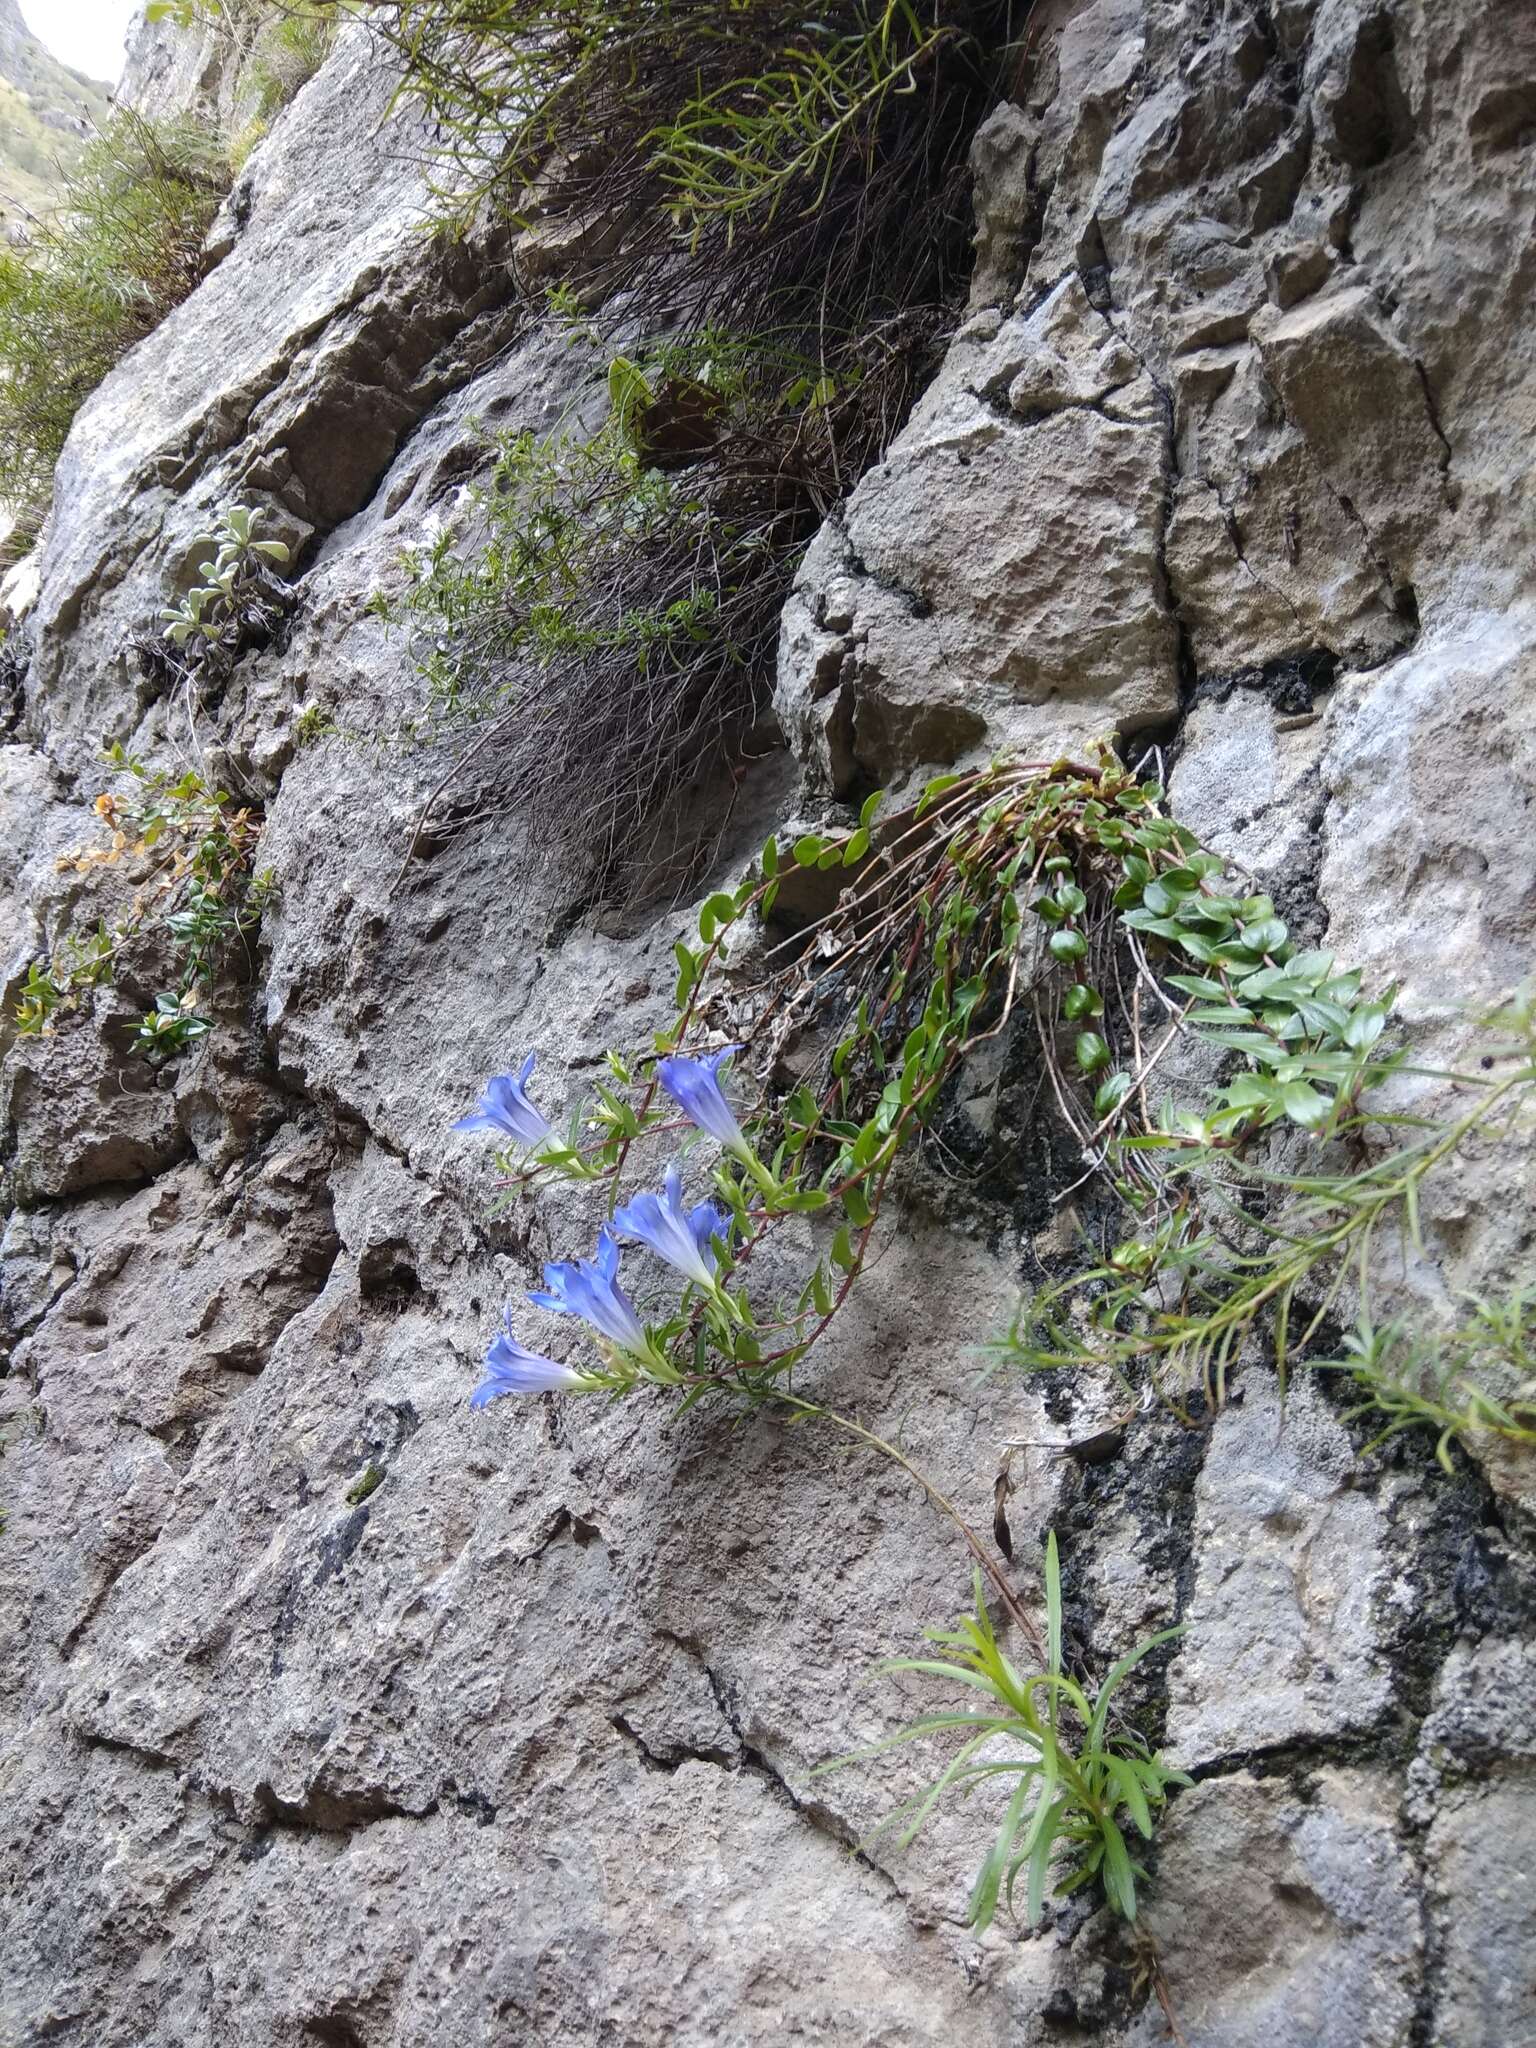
(46, 113)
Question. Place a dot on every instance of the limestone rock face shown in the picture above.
(333, 1713)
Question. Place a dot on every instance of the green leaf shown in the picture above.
(1303, 1105)
(933, 790)
(856, 1206)
(1070, 946)
(1132, 1793)
(770, 859)
(808, 849)
(1090, 1052)
(857, 847)
(1081, 1001)
(1264, 935)
(1198, 985)
(843, 1254)
(687, 973)
(1110, 1094)
(1149, 921)
(1119, 1880)
(629, 394)
(1044, 1827)
(870, 808)
(719, 910)
(1365, 1027)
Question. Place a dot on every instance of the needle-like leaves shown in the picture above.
(1074, 1774)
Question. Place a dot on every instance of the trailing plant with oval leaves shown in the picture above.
(991, 890)
(1006, 887)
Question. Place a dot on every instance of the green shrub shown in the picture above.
(788, 199)
(125, 247)
(695, 112)
(611, 600)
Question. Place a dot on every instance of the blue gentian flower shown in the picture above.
(510, 1369)
(590, 1288)
(678, 1235)
(505, 1107)
(693, 1086)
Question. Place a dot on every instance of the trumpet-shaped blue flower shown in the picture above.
(680, 1236)
(504, 1106)
(511, 1369)
(694, 1086)
(590, 1288)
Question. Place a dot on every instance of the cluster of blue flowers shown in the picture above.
(589, 1288)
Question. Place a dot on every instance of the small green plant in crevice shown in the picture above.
(1080, 1781)
(1253, 1252)
(741, 151)
(1475, 1381)
(125, 246)
(236, 602)
(202, 882)
(312, 725)
(367, 1482)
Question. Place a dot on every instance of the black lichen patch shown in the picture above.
(1466, 1574)
(1290, 681)
(1000, 1153)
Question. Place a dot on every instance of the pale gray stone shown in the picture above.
(1282, 1643)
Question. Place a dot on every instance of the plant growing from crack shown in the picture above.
(202, 880)
(1021, 886)
(1073, 1773)
(993, 890)
(789, 199)
(1249, 1252)
(603, 584)
(235, 600)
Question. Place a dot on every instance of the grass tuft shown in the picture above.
(124, 248)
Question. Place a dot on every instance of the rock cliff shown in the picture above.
(48, 111)
(1229, 456)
